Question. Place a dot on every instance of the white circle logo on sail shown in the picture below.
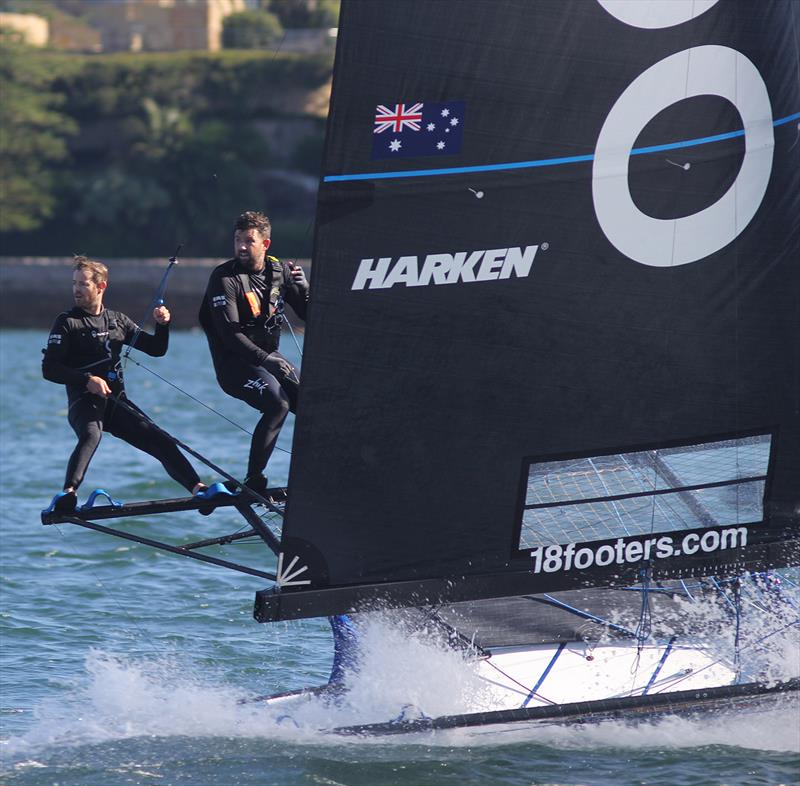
(656, 13)
(703, 70)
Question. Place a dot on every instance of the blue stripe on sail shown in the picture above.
(787, 119)
(456, 170)
(459, 170)
(704, 140)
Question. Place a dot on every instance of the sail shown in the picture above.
(553, 337)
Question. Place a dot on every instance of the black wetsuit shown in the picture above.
(239, 317)
(81, 345)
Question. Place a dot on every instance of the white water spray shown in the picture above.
(400, 673)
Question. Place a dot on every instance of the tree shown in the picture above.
(32, 137)
(250, 30)
(170, 180)
(307, 155)
(304, 13)
(171, 145)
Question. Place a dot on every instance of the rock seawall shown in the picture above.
(34, 290)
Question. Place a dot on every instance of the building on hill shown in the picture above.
(34, 29)
(156, 25)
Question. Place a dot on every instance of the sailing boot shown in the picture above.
(63, 502)
(210, 493)
(256, 482)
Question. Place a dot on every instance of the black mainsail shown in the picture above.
(555, 330)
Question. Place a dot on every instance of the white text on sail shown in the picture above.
(462, 266)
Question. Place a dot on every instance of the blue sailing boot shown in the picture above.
(89, 504)
(212, 492)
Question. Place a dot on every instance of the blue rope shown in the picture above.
(652, 590)
(645, 626)
(545, 673)
(549, 599)
(661, 663)
(737, 661)
(721, 590)
(775, 632)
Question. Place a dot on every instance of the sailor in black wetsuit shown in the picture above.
(83, 353)
(241, 315)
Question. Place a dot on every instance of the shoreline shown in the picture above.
(34, 290)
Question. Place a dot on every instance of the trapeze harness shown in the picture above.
(244, 374)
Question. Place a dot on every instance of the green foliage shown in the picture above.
(304, 13)
(250, 30)
(171, 179)
(32, 137)
(170, 149)
(253, 83)
(38, 7)
(307, 156)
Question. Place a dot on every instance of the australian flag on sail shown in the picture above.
(418, 129)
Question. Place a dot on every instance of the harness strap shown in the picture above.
(275, 288)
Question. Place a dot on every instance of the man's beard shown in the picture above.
(250, 263)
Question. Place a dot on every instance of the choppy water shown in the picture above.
(121, 665)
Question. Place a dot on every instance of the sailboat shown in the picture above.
(550, 374)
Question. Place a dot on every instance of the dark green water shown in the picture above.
(121, 665)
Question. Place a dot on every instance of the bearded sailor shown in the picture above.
(83, 353)
(241, 314)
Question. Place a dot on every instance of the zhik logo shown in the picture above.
(255, 384)
(464, 266)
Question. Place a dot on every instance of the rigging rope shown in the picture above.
(645, 626)
(737, 596)
(199, 456)
(296, 342)
(280, 313)
(202, 403)
(751, 644)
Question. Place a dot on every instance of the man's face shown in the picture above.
(250, 247)
(85, 291)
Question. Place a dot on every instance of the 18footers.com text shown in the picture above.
(550, 559)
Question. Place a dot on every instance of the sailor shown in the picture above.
(241, 314)
(83, 353)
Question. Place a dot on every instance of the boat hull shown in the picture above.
(730, 698)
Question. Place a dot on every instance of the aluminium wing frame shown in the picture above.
(274, 499)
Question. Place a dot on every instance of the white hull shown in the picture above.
(542, 675)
